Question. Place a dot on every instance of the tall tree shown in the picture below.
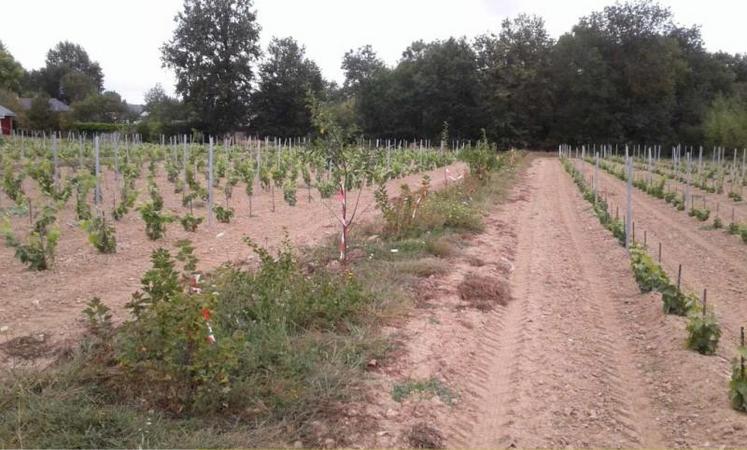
(514, 73)
(11, 72)
(286, 79)
(212, 51)
(68, 67)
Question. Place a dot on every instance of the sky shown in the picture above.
(125, 36)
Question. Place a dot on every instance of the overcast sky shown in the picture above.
(124, 36)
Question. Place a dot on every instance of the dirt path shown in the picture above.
(51, 302)
(710, 258)
(578, 358)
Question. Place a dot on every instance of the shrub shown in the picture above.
(700, 214)
(38, 251)
(190, 222)
(649, 275)
(263, 342)
(101, 234)
(155, 221)
(223, 215)
(677, 302)
(703, 332)
(481, 158)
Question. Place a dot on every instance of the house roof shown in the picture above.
(54, 104)
(5, 112)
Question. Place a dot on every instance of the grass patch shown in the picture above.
(483, 292)
(425, 388)
(424, 267)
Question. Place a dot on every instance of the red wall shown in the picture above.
(6, 125)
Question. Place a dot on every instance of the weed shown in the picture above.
(426, 388)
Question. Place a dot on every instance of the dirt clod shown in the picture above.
(422, 435)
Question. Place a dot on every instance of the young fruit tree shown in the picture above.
(349, 165)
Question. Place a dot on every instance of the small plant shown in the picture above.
(703, 332)
(223, 215)
(738, 383)
(186, 256)
(99, 326)
(717, 223)
(735, 196)
(700, 214)
(649, 275)
(289, 192)
(38, 251)
(13, 185)
(677, 302)
(101, 234)
(190, 222)
(155, 221)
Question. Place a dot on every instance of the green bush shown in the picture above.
(38, 250)
(223, 215)
(677, 302)
(101, 234)
(260, 344)
(703, 333)
(190, 222)
(155, 221)
(649, 275)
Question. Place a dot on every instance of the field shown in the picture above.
(493, 306)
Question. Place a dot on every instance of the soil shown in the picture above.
(578, 357)
(51, 302)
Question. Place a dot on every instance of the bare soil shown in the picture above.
(578, 357)
(51, 302)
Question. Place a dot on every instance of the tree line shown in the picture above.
(625, 73)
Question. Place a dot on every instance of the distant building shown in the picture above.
(54, 105)
(6, 120)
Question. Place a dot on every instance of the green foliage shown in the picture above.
(38, 250)
(214, 76)
(717, 223)
(481, 158)
(289, 192)
(155, 220)
(649, 275)
(190, 222)
(13, 185)
(735, 196)
(677, 302)
(166, 354)
(703, 333)
(101, 234)
(700, 214)
(223, 215)
(186, 255)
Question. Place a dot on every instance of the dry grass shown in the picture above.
(423, 267)
(484, 292)
(443, 246)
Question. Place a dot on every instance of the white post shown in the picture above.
(210, 182)
(97, 190)
(55, 175)
(629, 194)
